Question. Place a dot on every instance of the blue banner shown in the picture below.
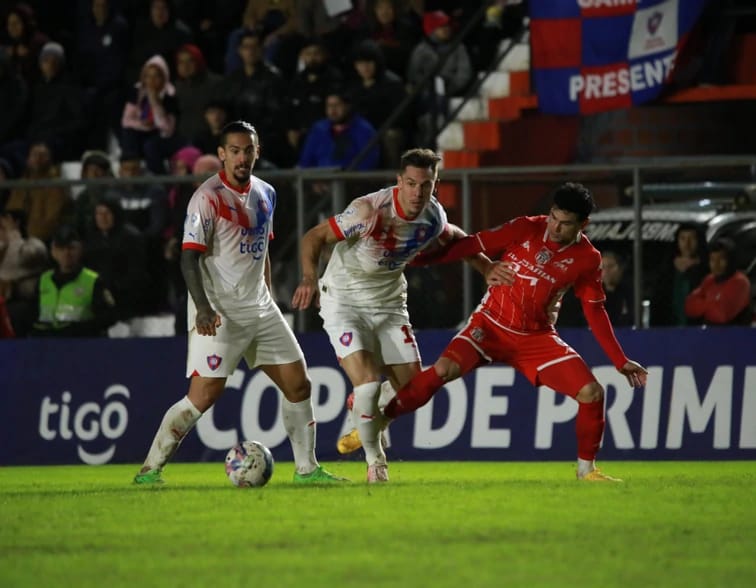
(595, 55)
(101, 401)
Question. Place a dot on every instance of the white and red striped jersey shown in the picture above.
(231, 227)
(377, 241)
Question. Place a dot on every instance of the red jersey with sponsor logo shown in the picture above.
(544, 271)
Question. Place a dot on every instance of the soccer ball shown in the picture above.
(249, 464)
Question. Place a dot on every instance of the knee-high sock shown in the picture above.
(368, 421)
(300, 426)
(589, 427)
(417, 392)
(177, 422)
(386, 394)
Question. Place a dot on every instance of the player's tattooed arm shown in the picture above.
(207, 319)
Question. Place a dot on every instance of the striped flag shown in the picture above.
(596, 55)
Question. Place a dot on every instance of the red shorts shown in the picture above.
(543, 358)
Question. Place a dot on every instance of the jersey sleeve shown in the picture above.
(588, 286)
(356, 221)
(200, 220)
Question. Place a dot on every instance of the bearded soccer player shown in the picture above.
(231, 313)
(363, 292)
(514, 323)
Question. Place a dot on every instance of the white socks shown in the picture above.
(299, 423)
(386, 394)
(177, 422)
(368, 421)
(585, 466)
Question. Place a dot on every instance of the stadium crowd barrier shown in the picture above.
(96, 402)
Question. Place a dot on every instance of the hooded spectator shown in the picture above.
(22, 41)
(150, 116)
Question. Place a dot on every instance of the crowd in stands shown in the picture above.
(133, 88)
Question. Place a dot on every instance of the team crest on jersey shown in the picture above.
(214, 361)
(543, 256)
(478, 334)
(346, 338)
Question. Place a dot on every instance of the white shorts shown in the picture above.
(266, 341)
(386, 333)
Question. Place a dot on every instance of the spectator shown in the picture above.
(102, 49)
(22, 260)
(57, 113)
(376, 94)
(146, 207)
(72, 300)
(307, 91)
(22, 41)
(209, 23)
(232, 60)
(452, 80)
(278, 23)
(45, 206)
(724, 296)
(619, 301)
(160, 33)
(195, 87)
(94, 165)
(150, 116)
(316, 22)
(14, 95)
(215, 116)
(116, 250)
(678, 276)
(337, 139)
(395, 32)
(256, 94)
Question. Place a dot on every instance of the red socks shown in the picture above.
(589, 427)
(414, 393)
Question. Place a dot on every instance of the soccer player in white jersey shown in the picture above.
(363, 291)
(231, 313)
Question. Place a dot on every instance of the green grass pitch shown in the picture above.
(453, 524)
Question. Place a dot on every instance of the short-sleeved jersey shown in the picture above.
(545, 270)
(231, 227)
(377, 241)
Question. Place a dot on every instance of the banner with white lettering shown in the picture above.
(101, 401)
(595, 55)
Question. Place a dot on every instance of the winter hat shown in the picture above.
(435, 20)
(52, 49)
(207, 164)
(196, 53)
(187, 155)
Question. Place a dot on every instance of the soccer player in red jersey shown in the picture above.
(540, 257)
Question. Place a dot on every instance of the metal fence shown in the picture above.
(443, 296)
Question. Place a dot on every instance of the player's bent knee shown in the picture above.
(446, 369)
(298, 392)
(591, 392)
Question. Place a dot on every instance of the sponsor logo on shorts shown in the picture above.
(346, 339)
(214, 361)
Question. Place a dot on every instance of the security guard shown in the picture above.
(72, 299)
